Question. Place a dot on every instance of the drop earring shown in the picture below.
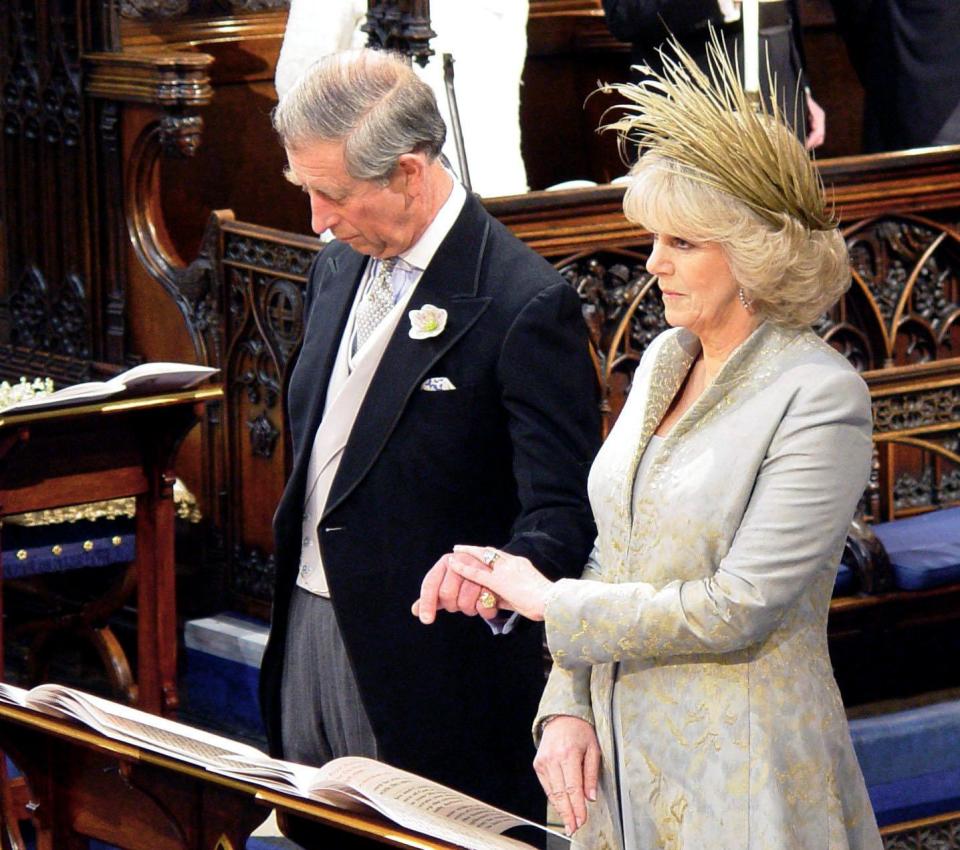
(746, 302)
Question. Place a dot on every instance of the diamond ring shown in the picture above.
(489, 556)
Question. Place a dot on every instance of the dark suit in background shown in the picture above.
(907, 55)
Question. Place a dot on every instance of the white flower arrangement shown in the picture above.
(23, 390)
(427, 322)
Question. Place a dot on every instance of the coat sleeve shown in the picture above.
(796, 29)
(791, 532)
(549, 392)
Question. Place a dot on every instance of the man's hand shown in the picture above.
(443, 588)
(816, 123)
(517, 583)
(568, 764)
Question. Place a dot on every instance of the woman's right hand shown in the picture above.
(568, 766)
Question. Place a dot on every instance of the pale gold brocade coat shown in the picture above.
(707, 600)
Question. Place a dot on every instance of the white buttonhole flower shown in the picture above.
(428, 321)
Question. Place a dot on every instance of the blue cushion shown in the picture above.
(222, 668)
(917, 797)
(222, 693)
(911, 761)
(37, 549)
(924, 550)
(271, 842)
(903, 743)
(845, 581)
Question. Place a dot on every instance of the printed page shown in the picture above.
(215, 753)
(280, 775)
(148, 731)
(421, 805)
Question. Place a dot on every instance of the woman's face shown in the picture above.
(699, 291)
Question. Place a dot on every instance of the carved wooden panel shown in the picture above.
(905, 299)
(45, 200)
(64, 267)
(160, 10)
(916, 412)
(623, 312)
(935, 833)
(903, 305)
(902, 311)
(263, 278)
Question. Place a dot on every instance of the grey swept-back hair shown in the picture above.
(372, 101)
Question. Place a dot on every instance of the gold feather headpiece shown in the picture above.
(722, 136)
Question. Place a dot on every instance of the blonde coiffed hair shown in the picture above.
(791, 273)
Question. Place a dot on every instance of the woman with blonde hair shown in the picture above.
(692, 702)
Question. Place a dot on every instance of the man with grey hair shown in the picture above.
(443, 394)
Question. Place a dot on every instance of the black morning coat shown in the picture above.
(502, 460)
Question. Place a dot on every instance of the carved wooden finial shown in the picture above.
(402, 26)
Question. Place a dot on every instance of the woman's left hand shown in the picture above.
(516, 583)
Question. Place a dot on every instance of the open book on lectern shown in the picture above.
(355, 784)
(145, 379)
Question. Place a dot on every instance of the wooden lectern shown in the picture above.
(88, 786)
(109, 450)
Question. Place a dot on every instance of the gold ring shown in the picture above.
(487, 599)
(489, 556)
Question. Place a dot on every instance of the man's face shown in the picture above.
(372, 218)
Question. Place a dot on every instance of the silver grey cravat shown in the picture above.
(376, 303)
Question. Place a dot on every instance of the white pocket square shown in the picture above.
(434, 385)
